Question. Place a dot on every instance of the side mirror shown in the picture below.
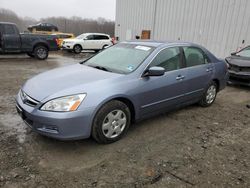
(154, 71)
(233, 53)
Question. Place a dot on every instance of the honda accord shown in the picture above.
(103, 95)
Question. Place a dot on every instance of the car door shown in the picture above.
(88, 43)
(104, 41)
(11, 38)
(98, 41)
(167, 91)
(199, 71)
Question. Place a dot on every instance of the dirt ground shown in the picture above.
(191, 147)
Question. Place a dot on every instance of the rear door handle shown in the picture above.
(180, 77)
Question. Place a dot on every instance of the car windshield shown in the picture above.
(121, 58)
(82, 36)
(244, 53)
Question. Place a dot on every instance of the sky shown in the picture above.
(46, 8)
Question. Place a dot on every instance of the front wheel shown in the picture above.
(105, 46)
(111, 122)
(209, 96)
(41, 52)
(77, 49)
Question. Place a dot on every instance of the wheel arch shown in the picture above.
(40, 44)
(77, 44)
(217, 83)
(123, 99)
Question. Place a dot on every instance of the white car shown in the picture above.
(87, 41)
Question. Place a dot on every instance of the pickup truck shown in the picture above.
(34, 45)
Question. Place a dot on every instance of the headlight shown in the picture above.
(64, 104)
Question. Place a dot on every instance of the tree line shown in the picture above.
(75, 25)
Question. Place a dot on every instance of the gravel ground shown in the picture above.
(191, 147)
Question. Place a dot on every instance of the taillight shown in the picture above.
(113, 40)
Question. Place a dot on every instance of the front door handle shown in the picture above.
(209, 69)
(180, 77)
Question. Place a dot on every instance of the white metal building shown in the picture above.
(218, 25)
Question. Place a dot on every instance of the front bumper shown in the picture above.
(240, 78)
(63, 126)
(66, 46)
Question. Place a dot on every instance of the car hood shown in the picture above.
(239, 61)
(64, 81)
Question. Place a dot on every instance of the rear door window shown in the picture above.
(101, 37)
(1, 29)
(195, 56)
(169, 58)
(9, 29)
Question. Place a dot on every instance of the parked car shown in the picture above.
(62, 36)
(42, 27)
(127, 82)
(239, 67)
(87, 41)
(12, 42)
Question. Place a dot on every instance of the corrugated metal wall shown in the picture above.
(132, 15)
(219, 25)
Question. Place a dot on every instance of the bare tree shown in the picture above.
(76, 25)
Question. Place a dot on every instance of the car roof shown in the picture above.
(95, 34)
(155, 43)
(7, 23)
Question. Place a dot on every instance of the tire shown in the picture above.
(77, 49)
(41, 52)
(30, 54)
(209, 96)
(111, 122)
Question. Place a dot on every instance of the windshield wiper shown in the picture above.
(100, 68)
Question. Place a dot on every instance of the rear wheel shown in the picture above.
(105, 46)
(77, 49)
(41, 52)
(111, 122)
(209, 96)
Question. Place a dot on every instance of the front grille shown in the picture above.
(28, 100)
(239, 69)
(238, 79)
